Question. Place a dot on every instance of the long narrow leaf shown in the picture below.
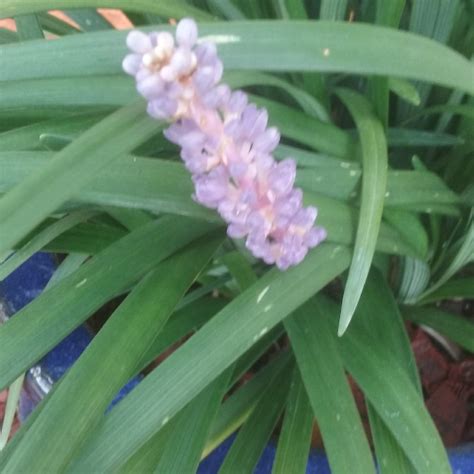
(381, 362)
(31, 201)
(238, 407)
(186, 443)
(328, 390)
(108, 362)
(254, 434)
(295, 437)
(207, 354)
(177, 8)
(374, 178)
(251, 45)
(333, 9)
(456, 328)
(41, 239)
(391, 457)
(42, 324)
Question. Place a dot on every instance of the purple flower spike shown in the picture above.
(225, 143)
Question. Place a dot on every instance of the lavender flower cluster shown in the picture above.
(225, 143)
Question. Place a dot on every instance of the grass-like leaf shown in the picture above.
(295, 437)
(42, 239)
(109, 362)
(207, 354)
(256, 431)
(41, 324)
(28, 27)
(164, 186)
(374, 178)
(188, 438)
(457, 328)
(251, 45)
(175, 9)
(333, 9)
(238, 407)
(376, 352)
(328, 390)
(30, 202)
(391, 457)
(453, 289)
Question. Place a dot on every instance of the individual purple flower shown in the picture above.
(225, 143)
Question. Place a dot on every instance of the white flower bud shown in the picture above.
(131, 63)
(138, 42)
(186, 32)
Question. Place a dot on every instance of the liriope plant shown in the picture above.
(174, 191)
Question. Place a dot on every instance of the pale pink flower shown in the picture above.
(225, 143)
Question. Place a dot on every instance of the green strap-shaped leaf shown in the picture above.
(387, 14)
(415, 275)
(131, 219)
(136, 181)
(333, 9)
(238, 407)
(28, 27)
(320, 364)
(307, 102)
(376, 352)
(226, 8)
(178, 446)
(240, 269)
(295, 436)
(165, 186)
(174, 9)
(70, 264)
(28, 137)
(296, 9)
(148, 456)
(405, 90)
(41, 239)
(252, 438)
(323, 46)
(446, 111)
(412, 138)
(391, 458)
(186, 443)
(56, 26)
(290, 9)
(109, 362)
(183, 322)
(463, 256)
(374, 179)
(42, 324)
(8, 36)
(455, 327)
(296, 125)
(433, 19)
(453, 289)
(387, 326)
(30, 202)
(10, 410)
(207, 354)
(398, 404)
(410, 227)
(90, 238)
(88, 19)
